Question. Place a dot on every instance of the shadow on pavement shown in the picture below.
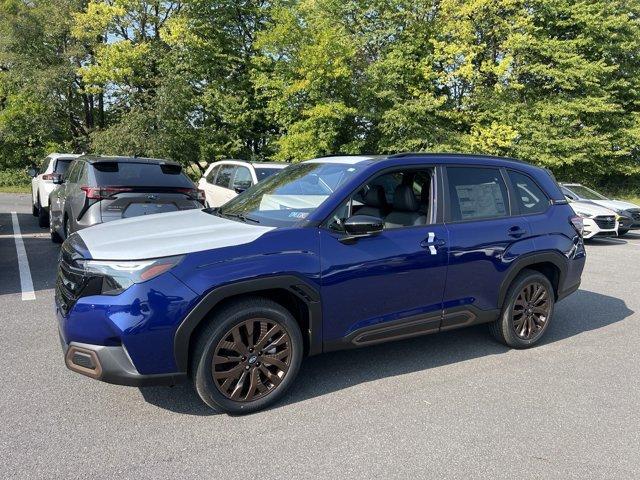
(323, 374)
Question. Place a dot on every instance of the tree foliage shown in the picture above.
(554, 82)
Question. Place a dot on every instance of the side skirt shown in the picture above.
(414, 326)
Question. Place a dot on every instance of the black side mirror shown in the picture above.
(57, 180)
(363, 226)
(239, 190)
(32, 172)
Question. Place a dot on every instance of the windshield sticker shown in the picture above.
(298, 214)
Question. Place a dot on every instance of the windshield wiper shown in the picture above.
(239, 216)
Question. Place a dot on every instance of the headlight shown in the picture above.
(111, 277)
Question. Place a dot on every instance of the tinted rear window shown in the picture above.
(62, 165)
(140, 175)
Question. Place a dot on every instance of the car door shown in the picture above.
(484, 238)
(384, 286)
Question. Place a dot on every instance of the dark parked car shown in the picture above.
(100, 189)
(332, 253)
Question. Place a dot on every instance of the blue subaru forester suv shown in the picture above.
(331, 253)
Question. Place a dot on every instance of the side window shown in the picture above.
(44, 166)
(568, 194)
(211, 178)
(225, 172)
(530, 198)
(377, 198)
(242, 179)
(70, 174)
(476, 193)
(83, 175)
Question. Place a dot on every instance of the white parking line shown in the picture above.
(26, 284)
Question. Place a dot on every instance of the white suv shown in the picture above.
(42, 182)
(225, 179)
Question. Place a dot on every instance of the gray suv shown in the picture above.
(100, 189)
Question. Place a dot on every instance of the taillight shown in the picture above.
(50, 176)
(100, 193)
(192, 192)
(577, 223)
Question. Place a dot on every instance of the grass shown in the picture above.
(15, 189)
(630, 198)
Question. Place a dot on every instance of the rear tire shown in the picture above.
(526, 312)
(34, 209)
(236, 346)
(622, 232)
(43, 215)
(55, 236)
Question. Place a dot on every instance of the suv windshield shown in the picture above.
(289, 197)
(584, 192)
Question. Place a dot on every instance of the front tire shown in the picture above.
(527, 311)
(247, 356)
(622, 232)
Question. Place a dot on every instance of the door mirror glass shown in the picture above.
(32, 172)
(57, 180)
(363, 225)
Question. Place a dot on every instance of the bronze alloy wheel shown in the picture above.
(531, 311)
(252, 359)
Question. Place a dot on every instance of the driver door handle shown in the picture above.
(432, 243)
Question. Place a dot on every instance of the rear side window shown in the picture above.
(211, 178)
(134, 174)
(45, 165)
(62, 166)
(476, 193)
(529, 197)
(224, 176)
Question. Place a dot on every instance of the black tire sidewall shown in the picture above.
(506, 324)
(221, 324)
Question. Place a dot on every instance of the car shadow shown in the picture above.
(605, 241)
(327, 373)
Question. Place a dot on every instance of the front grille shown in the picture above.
(607, 222)
(69, 285)
(71, 281)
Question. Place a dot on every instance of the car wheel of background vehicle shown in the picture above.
(55, 237)
(43, 215)
(623, 231)
(247, 356)
(34, 209)
(66, 228)
(527, 311)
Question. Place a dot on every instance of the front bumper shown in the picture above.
(111, 365)
(592, 229)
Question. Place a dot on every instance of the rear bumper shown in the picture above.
(111, 365)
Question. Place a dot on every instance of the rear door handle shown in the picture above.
(517, 232)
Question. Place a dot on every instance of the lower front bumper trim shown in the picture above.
(112, 365)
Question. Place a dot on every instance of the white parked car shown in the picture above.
(630, 211)
(42, 182)
(598, 221)
(225, 179)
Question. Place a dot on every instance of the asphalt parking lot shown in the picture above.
(453, 405)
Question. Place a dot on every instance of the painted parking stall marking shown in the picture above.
(26, 283)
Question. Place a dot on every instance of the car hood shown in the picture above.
(616, 204)
(166, 234)
(590, 209)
